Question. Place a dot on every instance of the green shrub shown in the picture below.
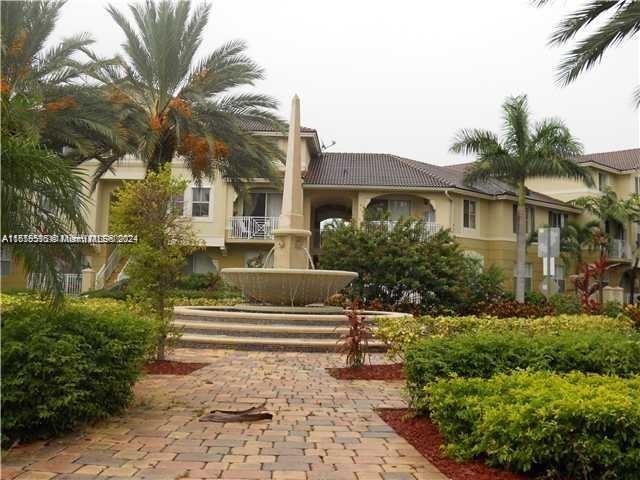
(65, 367)
(486, 354)
(566, 304)
(571, 426)
(404, 269)
(512, 308)
(612, 309)
(399, 333)
(199, 281)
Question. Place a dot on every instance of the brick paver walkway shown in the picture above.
(322, 428)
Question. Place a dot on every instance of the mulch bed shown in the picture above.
(392, 371)
(170, 367)
(425, 437)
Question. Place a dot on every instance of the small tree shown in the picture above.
(165, 238)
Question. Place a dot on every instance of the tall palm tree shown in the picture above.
(619, 19)
(173, 101)
(544, 149)
(46, 110)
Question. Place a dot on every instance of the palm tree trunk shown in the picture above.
(521, 242)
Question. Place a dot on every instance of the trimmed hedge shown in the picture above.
(486, 354)
(64, 367)
(400, 333)
(575, 426)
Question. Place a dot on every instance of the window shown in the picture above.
(429, 213)
(530, 220)
(559, 278)
(263, 204)
(200, 202)
(177, 204)
(528, 276)
(557, 219)
(5, 261)
(469, 214)
(603, 181)
(637, 185)
(200, 262)
(396, 209)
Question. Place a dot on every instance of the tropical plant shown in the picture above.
(544, 149)
(171, 102)
(164, 239)
(69, 114)
(354, 344)
(574, 238)
(616, 20)
(50, 121)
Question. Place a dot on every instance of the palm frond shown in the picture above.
(588, 52)
(516, 124)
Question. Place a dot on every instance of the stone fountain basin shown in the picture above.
(284, 286)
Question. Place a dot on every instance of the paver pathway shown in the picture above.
(322, 428)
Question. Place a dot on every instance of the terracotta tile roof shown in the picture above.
(253, 125)
(385, 170)
(618, 160)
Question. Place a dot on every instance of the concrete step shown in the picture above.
(329, 321)
(266, 343)
(260, 330)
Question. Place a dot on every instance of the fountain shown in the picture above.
(285, 310)
(290, 282)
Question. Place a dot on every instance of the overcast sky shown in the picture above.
(401, 77)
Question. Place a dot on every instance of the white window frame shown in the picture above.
(529, 220)
(562, 216)
(201, 218)
(177, 201)
(469, 216)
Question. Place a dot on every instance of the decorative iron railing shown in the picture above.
(252, 228)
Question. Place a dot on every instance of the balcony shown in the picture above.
(618, 249)
(252, 228)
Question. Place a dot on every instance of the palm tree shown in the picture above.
(41, 193)
(171, 102)
(618, 19)
(46, 110)
(609, 208)
(68, 114)
(574, 238)
(544, 149)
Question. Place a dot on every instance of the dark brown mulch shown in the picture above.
(170, 367)
(392, 371)
(425, 437)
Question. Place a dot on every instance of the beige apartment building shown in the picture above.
(343, 186)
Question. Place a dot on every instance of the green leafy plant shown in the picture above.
(486, 354)
(399, 333)
(165, 239)
(402, 269)
(63, 367)
(564, 304)
(511, 308)
(199, 281)
(575, 426)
